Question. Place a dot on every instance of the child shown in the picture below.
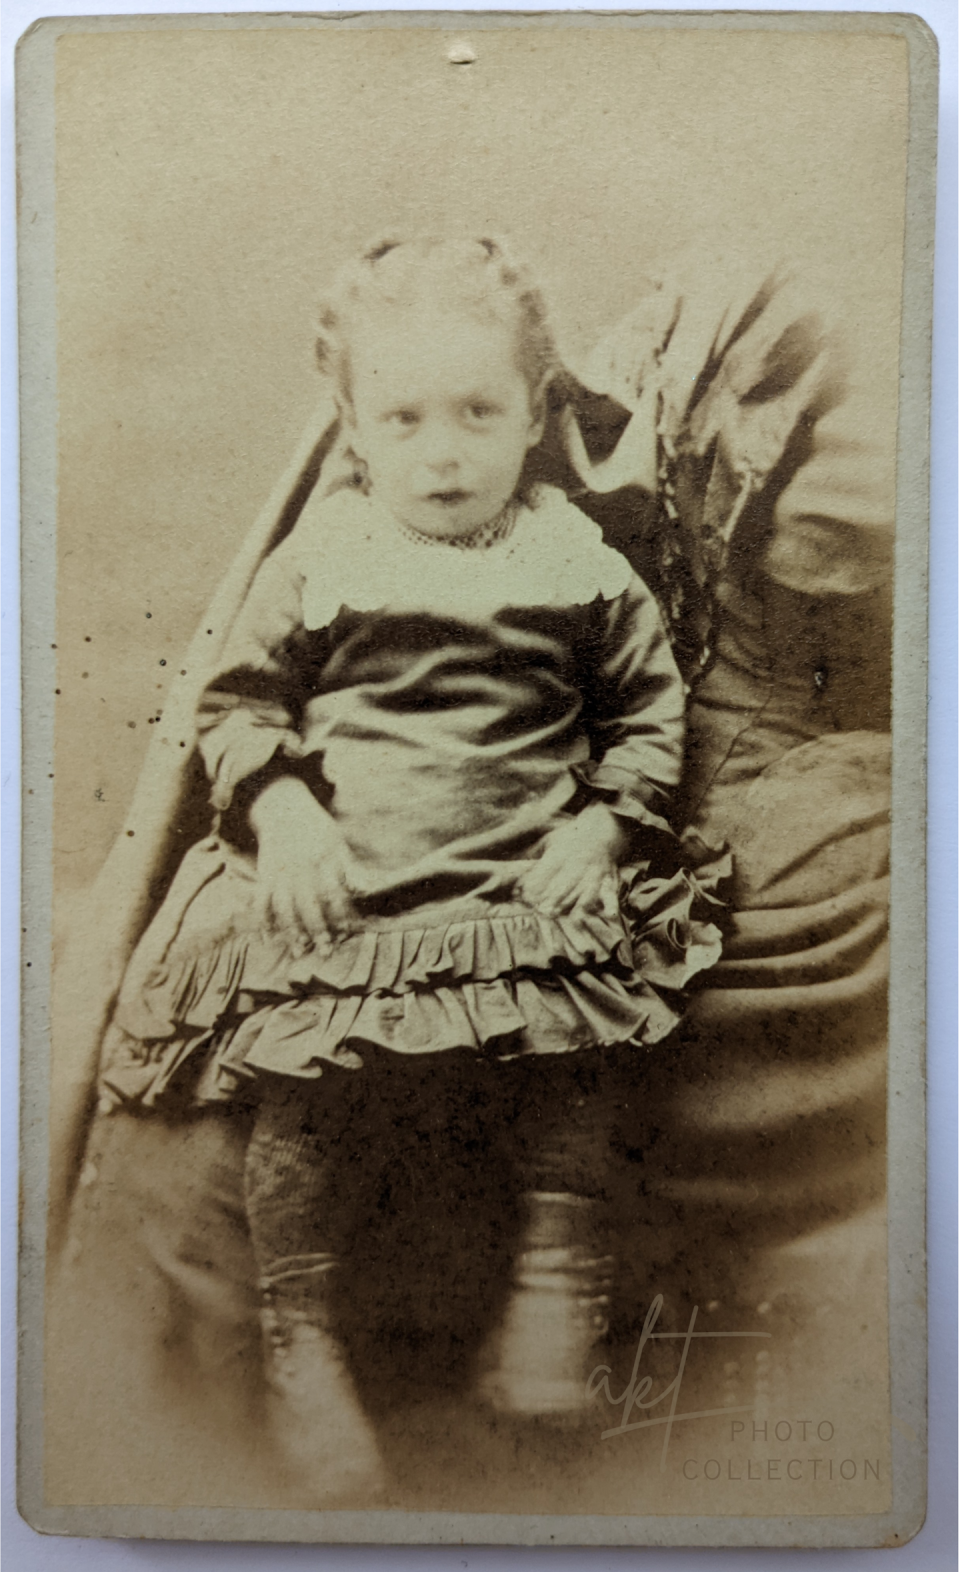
(442, 741)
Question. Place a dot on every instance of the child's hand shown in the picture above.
(578, 865)
(302, 864)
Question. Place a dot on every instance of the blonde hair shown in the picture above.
(476, 275)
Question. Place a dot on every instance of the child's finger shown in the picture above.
(263, 910)
(586, 894)
(554, 864)
(538, 887)
(335, 915)
(584, 889)
(282, 906)
(560, 894)
(609, 896)
(337, 906)
(554, 878)
(310, 908)
(533, 883)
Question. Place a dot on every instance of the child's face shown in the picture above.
(442, 416)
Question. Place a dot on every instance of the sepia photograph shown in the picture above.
(475, 507)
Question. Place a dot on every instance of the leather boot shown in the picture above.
(539, 1361)
(323, 1437)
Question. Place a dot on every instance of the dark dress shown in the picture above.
(448, 708)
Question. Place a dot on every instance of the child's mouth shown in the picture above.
(448, 499)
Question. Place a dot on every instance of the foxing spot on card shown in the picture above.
(474, 550)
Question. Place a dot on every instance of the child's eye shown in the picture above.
(480, 409)
(403, 417)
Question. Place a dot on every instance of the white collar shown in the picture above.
(349, 552)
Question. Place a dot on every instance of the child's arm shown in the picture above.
(634, 713)
(249, 715)
(302, 863)
(249, 720)
(634, 710)
(578, 864)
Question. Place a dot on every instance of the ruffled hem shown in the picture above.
(507, 1018)
(234, 1005)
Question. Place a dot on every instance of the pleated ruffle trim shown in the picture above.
(210, 1002)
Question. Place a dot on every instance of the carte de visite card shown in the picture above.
(474, 488)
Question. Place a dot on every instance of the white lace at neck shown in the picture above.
(351, 554)
(480, 540)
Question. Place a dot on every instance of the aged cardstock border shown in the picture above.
(906, 1152)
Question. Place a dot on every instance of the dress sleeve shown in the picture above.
(634, 709)
(250, 712)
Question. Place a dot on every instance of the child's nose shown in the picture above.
(439, 448)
